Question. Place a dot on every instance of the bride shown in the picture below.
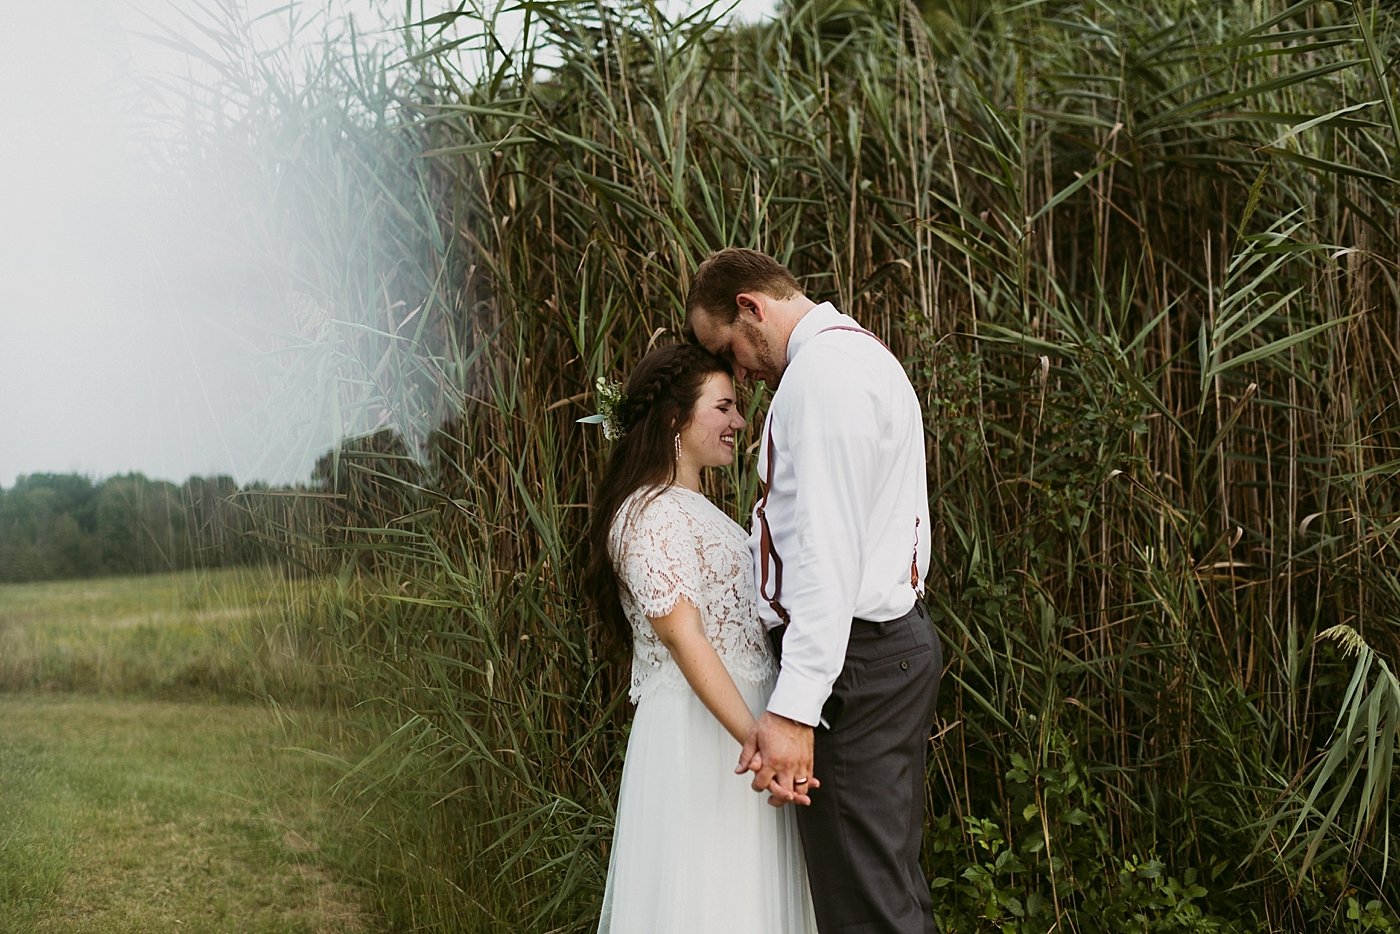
(694, 850)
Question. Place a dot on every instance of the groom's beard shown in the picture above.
(771, 359)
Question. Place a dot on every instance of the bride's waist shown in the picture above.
(754, 689)
(751, 666)
(753, 671)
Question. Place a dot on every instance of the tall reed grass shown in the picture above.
(1141, 262)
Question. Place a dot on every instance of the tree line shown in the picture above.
(55, 526)
(62, 526)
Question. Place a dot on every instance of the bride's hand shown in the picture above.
(751, 760)
(755, 764)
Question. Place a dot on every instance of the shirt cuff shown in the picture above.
(798, 697)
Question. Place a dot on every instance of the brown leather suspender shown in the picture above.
(765, 543)
(765, 535)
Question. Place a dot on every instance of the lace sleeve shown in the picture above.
(657, 554)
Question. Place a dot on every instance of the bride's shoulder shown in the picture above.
(648, 518)
(650, 505)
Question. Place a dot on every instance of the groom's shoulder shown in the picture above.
(844, 358)
(847, 342)
(841, 380)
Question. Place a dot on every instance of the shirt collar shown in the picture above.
(817, 317)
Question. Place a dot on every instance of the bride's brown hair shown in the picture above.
(661, 396)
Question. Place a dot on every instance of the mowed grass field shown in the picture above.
(122, 810)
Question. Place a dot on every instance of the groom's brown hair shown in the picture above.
(724, 275)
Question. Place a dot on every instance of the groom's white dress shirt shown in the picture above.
(848, 506)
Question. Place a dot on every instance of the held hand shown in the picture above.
(756, 763)
(779, 752)
(749, 759)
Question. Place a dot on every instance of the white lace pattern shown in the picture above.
(676, 543)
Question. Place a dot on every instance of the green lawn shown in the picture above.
(136, 798)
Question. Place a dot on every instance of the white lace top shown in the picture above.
(676, 543)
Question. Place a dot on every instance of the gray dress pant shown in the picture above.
(864, 830)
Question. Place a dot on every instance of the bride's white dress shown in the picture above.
(695, 850)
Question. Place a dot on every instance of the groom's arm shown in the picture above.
(832, 434)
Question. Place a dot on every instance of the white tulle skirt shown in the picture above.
(695, 850)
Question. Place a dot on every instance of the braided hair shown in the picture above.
(661, 396)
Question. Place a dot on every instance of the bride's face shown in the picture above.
(708, 441)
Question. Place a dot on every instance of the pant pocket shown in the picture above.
(904, 659)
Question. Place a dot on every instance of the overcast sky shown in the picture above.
(104, 367)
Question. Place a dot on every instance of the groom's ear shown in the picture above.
(752, 303)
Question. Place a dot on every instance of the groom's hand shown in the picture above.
(779, 751)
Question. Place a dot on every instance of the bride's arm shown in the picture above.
(683, 634)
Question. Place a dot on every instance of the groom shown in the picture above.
(840, 542)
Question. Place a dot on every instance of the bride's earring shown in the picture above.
(678, 447)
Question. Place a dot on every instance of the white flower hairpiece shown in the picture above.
(610, 401)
